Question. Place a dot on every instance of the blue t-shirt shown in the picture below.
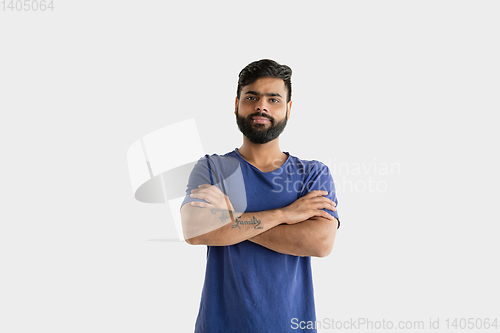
(248, 287)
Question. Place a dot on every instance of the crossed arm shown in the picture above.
(300, 229)
(313, 237)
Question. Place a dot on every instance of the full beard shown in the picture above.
(257, 133)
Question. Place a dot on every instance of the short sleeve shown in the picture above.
(320, 179)
(199, 175)
(225, 173)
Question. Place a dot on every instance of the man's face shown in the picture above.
(262, 111)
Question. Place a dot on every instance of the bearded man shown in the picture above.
(262, 213)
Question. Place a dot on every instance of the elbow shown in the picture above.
(324, 250)
(193, 241)
(190, 235)
(325, 245)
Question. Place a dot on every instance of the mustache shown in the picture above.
(260, 114)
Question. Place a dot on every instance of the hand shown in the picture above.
(308, 206)
(213, 195)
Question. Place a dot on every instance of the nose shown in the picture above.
(261, 106)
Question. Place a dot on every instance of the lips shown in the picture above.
(261, 120)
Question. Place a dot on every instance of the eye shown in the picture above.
(274, 100)
(251, 98)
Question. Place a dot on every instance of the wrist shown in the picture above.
(282, 216)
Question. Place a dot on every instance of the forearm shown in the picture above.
(312, 237)
(227, 228)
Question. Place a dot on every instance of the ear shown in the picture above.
(289, 109)
(235, 105)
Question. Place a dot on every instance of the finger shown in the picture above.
(326, 206)
(202, 186)
(204, 195)
(321, 199)
(328, 202)
(207, 187)
(316, 193)
(330, 207)
(214, 190)
(199, 204)
(206, 190)
(326, 215)
(323, 203)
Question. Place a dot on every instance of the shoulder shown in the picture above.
(213, 158)
(217, 157)
(308, 166)
(222, 164)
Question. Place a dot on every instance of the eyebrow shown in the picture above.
(251, 92)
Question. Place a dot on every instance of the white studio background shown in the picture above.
(397, 97)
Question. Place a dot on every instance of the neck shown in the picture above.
(263, 156)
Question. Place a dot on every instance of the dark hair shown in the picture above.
(265, 68)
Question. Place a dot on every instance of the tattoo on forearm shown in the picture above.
(225, 214)
(253, 222)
